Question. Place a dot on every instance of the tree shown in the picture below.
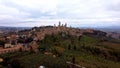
(59, 50)
(31, 49)
(69, 47)
(73, 61)
(2, 42)
(74, 47)
(79, 38)
(14, 64)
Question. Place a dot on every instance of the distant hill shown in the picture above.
(12, 29)
(112, 31)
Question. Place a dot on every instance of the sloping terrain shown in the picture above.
(87, 48)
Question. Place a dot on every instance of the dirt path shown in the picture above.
(71, 65)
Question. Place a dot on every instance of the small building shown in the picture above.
(8, 45)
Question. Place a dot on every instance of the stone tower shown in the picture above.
(54, 25)
(65, 24)
(59, 23)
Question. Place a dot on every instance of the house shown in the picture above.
(7, 45)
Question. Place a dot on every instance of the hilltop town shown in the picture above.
(25, 39)
(67, 47)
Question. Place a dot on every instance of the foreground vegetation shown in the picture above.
(56, 49)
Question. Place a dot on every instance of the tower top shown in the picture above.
(65, 24)
(59, 23)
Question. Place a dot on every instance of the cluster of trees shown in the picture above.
(2, 42)
(25, 39)
(34, 60)
(58, 43)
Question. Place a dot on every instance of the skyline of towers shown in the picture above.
(59, 24)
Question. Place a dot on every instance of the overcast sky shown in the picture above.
(89, 13)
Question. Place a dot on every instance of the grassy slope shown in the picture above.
(89, 52)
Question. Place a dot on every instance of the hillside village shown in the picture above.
(59, 43)
(24, 39)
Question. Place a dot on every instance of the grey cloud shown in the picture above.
(63, 9)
